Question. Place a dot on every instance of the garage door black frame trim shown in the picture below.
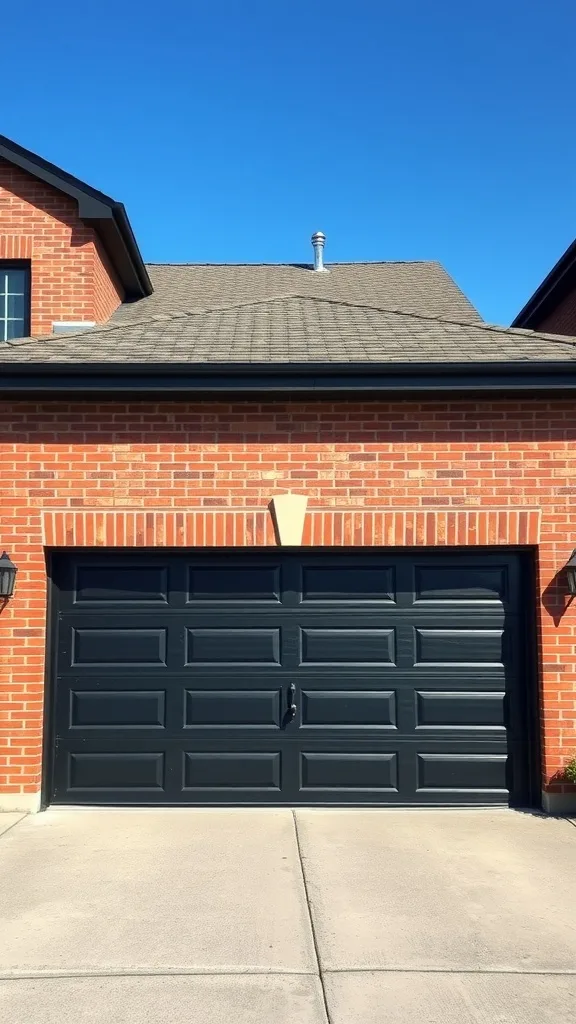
(530, 709)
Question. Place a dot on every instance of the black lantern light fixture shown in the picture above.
(7, 575)
(571, 574)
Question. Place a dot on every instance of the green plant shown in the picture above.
(570, 770)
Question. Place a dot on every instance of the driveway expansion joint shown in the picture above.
(311, 920)
(177, 972)
(516, 971)
(5, 831)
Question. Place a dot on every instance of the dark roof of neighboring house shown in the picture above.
(549, 294)
(287, 329)
(107, 217)
(414, 287)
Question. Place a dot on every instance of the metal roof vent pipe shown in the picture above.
(318, 241)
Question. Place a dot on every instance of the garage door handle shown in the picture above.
(292, 706)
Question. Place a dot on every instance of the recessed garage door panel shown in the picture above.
(461, 773)
(233, 709)
(117, 709)
(348, 709)
(372, 771)
(118, 773)
(232, 770)
(289, 678)
(132, 584)
(459, 709)
(234, 584)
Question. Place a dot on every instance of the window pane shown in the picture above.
(16, 306)
(14, 301)
(14, 328)
(16, 281)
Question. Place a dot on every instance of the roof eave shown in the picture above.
(210, 378)
(550, 293)
(105, 215)
(118, 239)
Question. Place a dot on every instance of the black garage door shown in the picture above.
(284, 678)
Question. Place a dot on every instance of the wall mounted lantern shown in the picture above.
(571, 574)
(7, 575)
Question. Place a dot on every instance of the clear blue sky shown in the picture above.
(404, 129)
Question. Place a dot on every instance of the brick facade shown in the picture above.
(562, 320)
(71, 275)
(375, 472)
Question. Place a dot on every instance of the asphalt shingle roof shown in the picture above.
(414, 287)
(292, 328)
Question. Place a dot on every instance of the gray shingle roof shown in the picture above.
(292, 328)
(413, 287)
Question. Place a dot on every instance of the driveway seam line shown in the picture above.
(5, 831)
(452, 970)
(192, 973)
(311, 919)
(180, 973)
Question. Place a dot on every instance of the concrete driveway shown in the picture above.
(338, 916)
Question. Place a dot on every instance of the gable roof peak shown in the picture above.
(106, 216)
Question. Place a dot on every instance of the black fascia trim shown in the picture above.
(108, 218)
(311, 377)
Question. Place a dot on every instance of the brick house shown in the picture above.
(283, 535)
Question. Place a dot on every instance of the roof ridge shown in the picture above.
(201, 311)
(302, 265)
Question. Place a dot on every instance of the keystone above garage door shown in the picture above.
(309, 678)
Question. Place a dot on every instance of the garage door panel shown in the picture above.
(348, 584)
(232, 770)
(117, 709)
(464, 578)
(463, 772)
(459, 646)
(327, 770)
(176, 673)
(463, 583)
(225, 584)
(115, 771)
(232, 709)
(232, 646)
(110, 646)
(342, 646)
(350, 708)
(102, 585)
(457, 709)
(113, 581)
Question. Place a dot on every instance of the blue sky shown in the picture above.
(232, 130)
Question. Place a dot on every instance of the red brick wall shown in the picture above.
(563, 319)
(71, 276)
(373, 454)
